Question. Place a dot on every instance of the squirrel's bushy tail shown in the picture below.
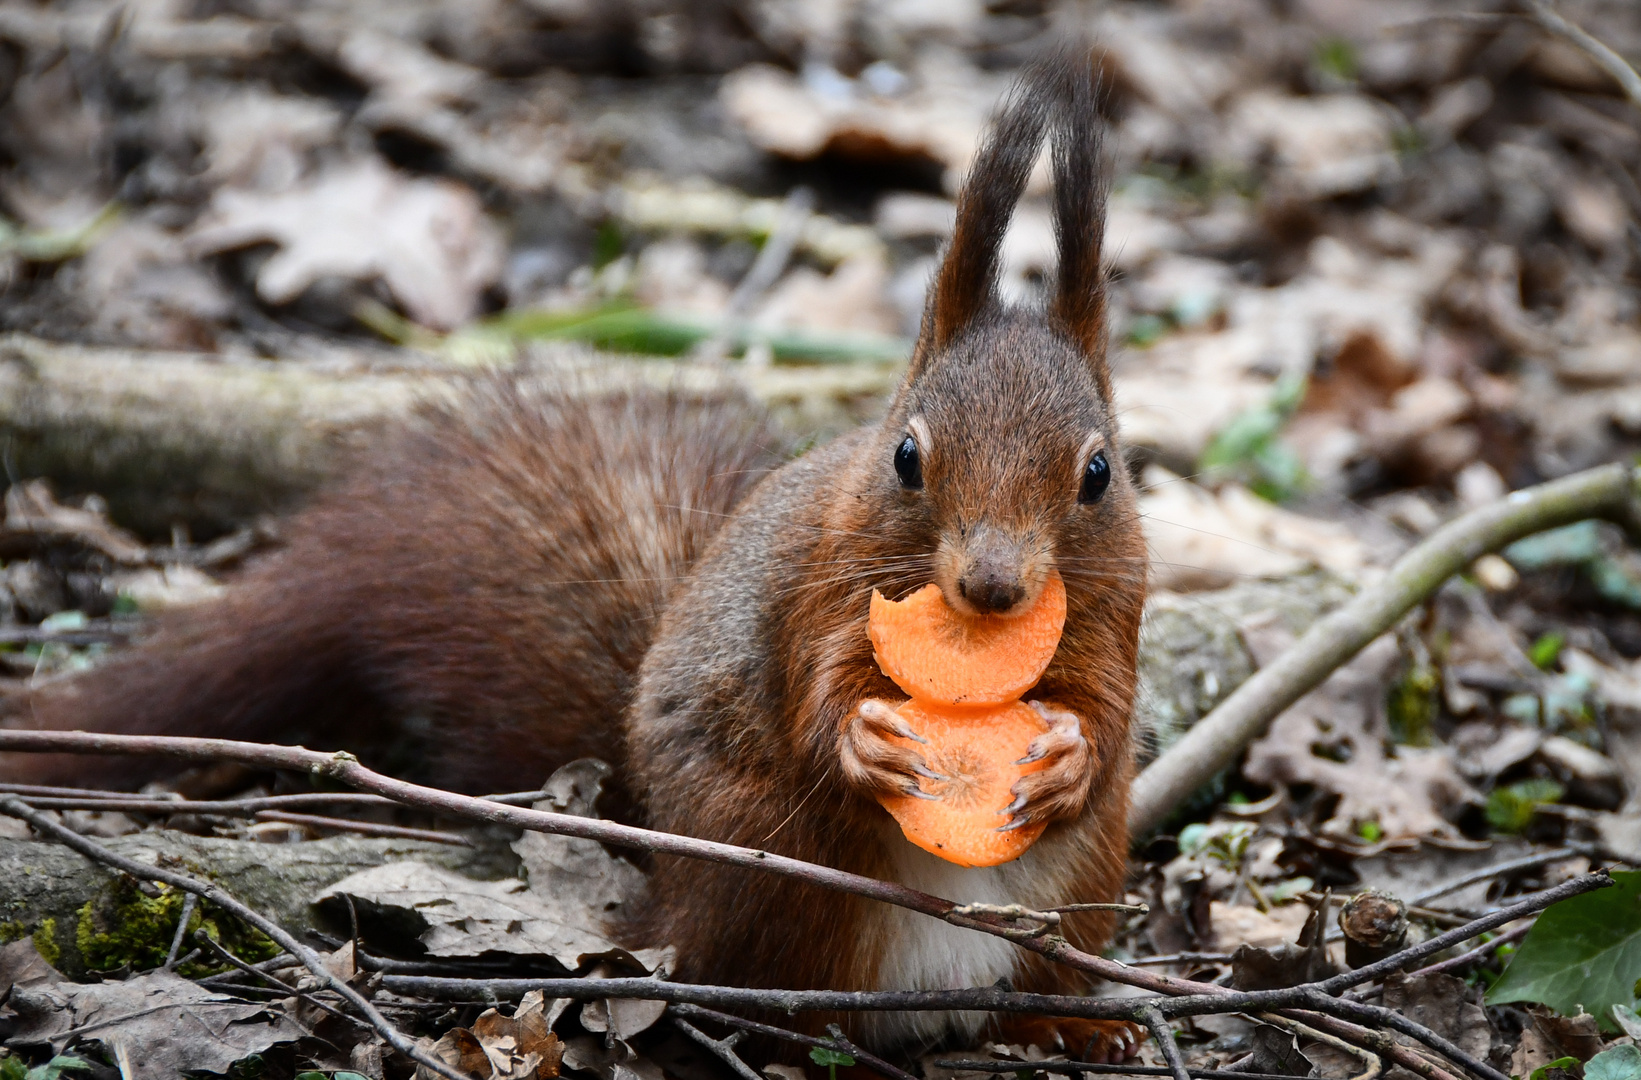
(470, 608)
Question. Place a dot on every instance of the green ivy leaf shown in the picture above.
(1583, 952)
(1559, 1063)
(51, 1070)
(1510, 809)
(1546, 650)
(822, 1056)
(1619, 1063)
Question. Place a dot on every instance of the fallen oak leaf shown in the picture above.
(428, 241)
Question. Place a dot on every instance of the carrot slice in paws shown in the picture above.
(976, 750)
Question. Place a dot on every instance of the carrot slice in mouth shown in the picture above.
(965, 675)
(943, 657)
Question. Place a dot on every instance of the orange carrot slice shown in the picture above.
(939, 656)
(976, 750)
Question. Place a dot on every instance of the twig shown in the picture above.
(1610, 62)
(278, 984)
(772, 259)
(364, 828)
(1475, 956)
(863, 1057)
(1152, 1017)
(1071, 1068)
(1530, 862)
(1217, 739)
(14, 807)
(1182, 958)
(274, 963)
(724, 1048)
(1375, 1066)
(188, 902)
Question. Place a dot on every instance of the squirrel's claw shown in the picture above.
(1060, 788)
(872, 761)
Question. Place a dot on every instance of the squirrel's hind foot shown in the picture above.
(1109, 1042)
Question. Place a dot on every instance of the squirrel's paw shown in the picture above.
(1059, 789)
(872, 762)
(1109, 1042)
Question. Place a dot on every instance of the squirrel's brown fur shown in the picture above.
(498, 580)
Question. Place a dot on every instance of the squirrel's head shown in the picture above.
(999, 453)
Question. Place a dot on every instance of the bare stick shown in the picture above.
(1489, 872)
(188, 903)
(1216, 740)
(863, 1057)
(1467, 960)
(1071, 1068)
(1182, 958)
(1152, 1017)
(1613, 64)
(14, 807)
(723, 1048)
(233, 961)
(364, 828)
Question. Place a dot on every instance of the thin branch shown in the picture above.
(1152, 1017)
(233, 961)
(1530, 862)
(1465, 961)
(723, 1048)
(1218, 738)
(1071, 1068)
(364, 828)
(1182, 958)
(863, 1057)
(188, 903)
(1610, 62)
(14, 807)
(1375, 1067)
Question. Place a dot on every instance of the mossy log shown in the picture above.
(212, 442)
(84, 917)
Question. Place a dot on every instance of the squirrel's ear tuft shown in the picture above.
(1080, 186)
(966, 284)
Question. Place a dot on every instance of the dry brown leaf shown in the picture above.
(1333, 739)
(517, 1047)
(853, 297)
(1244, 924)
(178, 1025)
(32, 512)
(1203, 540)
(1327, 145)
(940, 119)
(428, 241)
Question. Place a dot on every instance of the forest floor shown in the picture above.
(1374, 265)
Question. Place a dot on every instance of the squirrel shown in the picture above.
(532, 576)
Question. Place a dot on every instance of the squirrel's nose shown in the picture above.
(991, 581)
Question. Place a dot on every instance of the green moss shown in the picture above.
(12, 931)
(136, 930)
(1413, 705)
(45, 941)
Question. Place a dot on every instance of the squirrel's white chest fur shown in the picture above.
(922, 953)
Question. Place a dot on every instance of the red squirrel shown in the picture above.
(530, 577)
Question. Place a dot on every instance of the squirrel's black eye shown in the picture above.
(1096, 478)
(907, 465)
